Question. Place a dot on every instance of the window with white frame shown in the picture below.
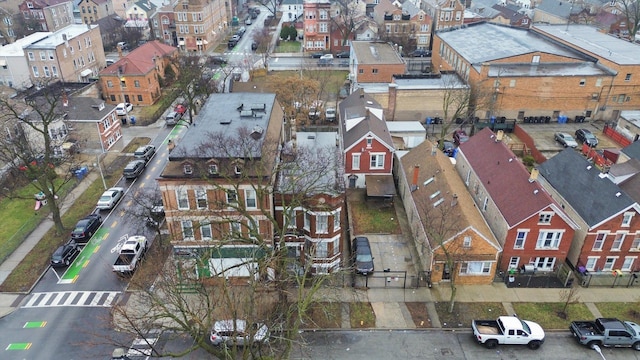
(475, 268)
(213, 169)
(289, 217)
(485, 203)
(253, 227)
(323, 27)
(598, 243)
(205, 230)
(322, 224)
(31, 56)
(545, 218)
(183, 199)
(617, 241)
(513, 262)
(307, 221)
(544, 263)
(369, 142)
(521, 237)
(635, 245)
(549, 240)
(36, 73)
(187, 229)
(336, 220)
(355, 161)
(609, 263)
(322, 249)
(626, 219)
(236, 228)
(591, 263)
(377, 161)
(250, 198)
(201, 199)
(232, 196)
(466, 242)
(627, 264)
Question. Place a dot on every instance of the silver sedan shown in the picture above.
(110, 198)
(566, 140)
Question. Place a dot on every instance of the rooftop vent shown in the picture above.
(225, 121)
(618, 194)
(256, 132)
(258, 106)
(246, 113)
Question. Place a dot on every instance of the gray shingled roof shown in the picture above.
(559, 8)
(590, 192)
(87, 109)
(633, 150)
(355, 106)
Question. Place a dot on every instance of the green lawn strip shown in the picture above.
(361, 315)
(628, 311)
(19, 217)
(288, 47)
(548, 314)
(374, 219)
(37, 260)
(464, 312)
(323, 315)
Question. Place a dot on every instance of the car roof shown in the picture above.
(133, 164)
(227, 325)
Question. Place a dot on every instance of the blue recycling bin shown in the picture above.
(133, 120)
(428, 121)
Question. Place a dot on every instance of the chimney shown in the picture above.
(534, 175)
(393, 90)
(416, 173)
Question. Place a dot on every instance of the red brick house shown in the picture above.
(135, 77)
(531, 226)
(607, 213)
(317, 25)
(366, 144)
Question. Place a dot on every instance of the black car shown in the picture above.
(420, 53)
(587, 137)
(363, 260)
(254, 46)
(133, 169)
(217, 60)
(65, 254)
(85, 228)
(317, 55)
(343, 55)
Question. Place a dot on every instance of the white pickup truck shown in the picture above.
(508, 330)
(131, 252)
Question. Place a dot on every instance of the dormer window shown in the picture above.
(545, 218)
(187, 169)
(213, 169)
(237, 169)
(369, 142)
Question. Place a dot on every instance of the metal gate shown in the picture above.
(382, 279)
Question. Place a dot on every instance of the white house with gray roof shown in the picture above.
(14, 68)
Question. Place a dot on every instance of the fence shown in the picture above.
(609, 279)
(382, 279)
(616, 136)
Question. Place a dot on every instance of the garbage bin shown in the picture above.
(133, 120)
(79, 174)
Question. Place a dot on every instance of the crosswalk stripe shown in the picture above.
(72, 298)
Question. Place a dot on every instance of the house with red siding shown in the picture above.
(366, 145)
(530, 225)
(607, 214)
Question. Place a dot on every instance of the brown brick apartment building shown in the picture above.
(375, 62)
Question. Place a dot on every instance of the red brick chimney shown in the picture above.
(416, 172)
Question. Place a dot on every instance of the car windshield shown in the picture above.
(568, 137)
(525, 326)
(364, 258)
(58, 253)
(105, 198)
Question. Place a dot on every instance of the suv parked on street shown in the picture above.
(587, 137)
(145, 152)
(133, 169)
(172, 118)
(85, 228)
(65, 254)
(226, 332)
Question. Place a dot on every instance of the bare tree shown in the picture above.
(568, 296)
(188, 294)
(271, 5)
(296, 94)
(631, 12)
(350, 15)
(29, 148)
(456, 103)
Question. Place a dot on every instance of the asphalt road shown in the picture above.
(66, 316)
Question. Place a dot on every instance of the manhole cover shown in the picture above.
(446, 351)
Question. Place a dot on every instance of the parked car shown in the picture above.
(343, 93)
(363, 260)
(565, 139)
(123, 45)
(325, 62)
(343, 55)
(330, 114)
(145, 152)
(180, 109)
(65, 254)
(508, 330)
(110, 198)
(254, 46)
(217, 60)
(248, 21)
(123, 108)
(85, 228)
(172, 118)
(607, 332)
(326, 57)
(133, 169)
(230, 332)
(460, 136)
(420, 53)
(587, 137)
(317, 55)
(241, 31)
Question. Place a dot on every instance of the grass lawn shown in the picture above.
(288, 47)
(332, 78)
(361, 315)
(623, 311)
(323, 315)
(464, 312)
(372, 217)
(547, 314)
